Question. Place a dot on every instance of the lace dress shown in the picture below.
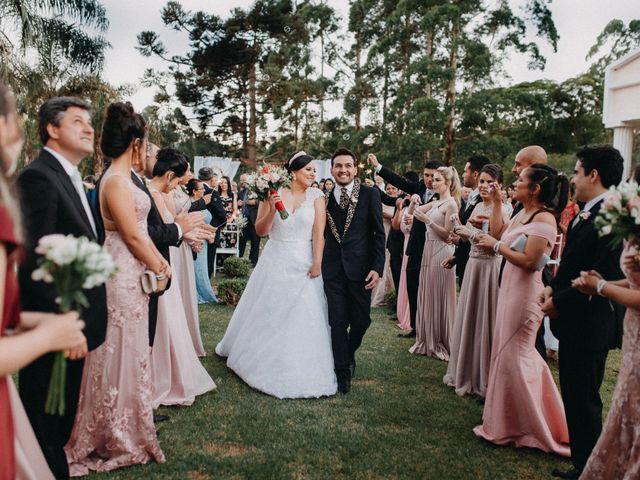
(114, 424)
(278, 340)
(617, 453)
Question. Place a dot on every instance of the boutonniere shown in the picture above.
(585, 215)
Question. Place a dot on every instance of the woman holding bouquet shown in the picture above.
(278, 340)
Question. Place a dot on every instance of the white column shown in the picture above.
(623, 141)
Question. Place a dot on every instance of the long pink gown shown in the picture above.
(114, 423)
(402, 306)
(437, 296)
(523, 404)
(385, 285)
(177, 374)
(617, 453)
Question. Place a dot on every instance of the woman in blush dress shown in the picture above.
(523, 404)
(617, 453)
(205, 294)
(178, 376)
(403, 222)
(379, 293)
(114, 422)
(468, 369)
(437, 301)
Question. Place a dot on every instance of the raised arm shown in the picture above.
(266, 215)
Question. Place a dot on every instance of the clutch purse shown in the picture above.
(152, 283)
(518, 246)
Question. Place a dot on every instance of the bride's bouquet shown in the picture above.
(620, 214)
(266, 181)
(72, 265)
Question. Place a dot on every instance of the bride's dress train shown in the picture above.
(278, 340)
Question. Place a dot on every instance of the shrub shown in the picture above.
(236, 267)
(230, 290)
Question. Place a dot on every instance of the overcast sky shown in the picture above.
(578, 23)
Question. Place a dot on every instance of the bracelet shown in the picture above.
(497, 246)
(600, 286)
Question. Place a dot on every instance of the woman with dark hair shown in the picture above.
(178, 376)
(228, 198)
(328, 185)
(278, 340)
(468, 369)
(114, 423)
(195, 190)
(523, 405)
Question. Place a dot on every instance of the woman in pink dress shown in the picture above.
(403, 222)
(437, 300)
(617, 453)
(178, 376)
(523, 404)
(114, 423)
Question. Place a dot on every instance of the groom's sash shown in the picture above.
(353, 201)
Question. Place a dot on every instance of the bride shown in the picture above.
(278, 340)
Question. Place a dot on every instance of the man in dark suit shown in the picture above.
(250, 212)
(470, 179)
(587, 327)
(353, 261)
(216, 208)
(53, 201)
(415, 246)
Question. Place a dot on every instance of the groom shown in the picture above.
(352, 263)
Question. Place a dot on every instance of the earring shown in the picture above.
(294, 177)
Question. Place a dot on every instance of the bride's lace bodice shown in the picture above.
(299, 226)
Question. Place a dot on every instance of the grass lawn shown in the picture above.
(399, 421)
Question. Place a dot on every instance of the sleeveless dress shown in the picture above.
(177, 374)
(203, 282)
(114, 423)
(385, 285)
(617, 453)
(468, 369)
(523, 404)
(185, 278)
(402, 307)
(278, 340)
(437, 295)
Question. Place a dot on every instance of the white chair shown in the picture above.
(229, 244)
(556, 254)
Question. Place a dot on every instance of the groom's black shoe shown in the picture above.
(571, 473)
(344, 381)
(160, 418)
(411, 334)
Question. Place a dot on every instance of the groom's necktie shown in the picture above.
(344, 198)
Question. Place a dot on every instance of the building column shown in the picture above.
(623, 141)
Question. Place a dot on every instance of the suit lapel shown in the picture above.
(593, 212)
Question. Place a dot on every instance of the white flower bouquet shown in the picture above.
(620, 214)
(73, 265)
(266, 181)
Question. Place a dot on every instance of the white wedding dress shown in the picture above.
(278, 340)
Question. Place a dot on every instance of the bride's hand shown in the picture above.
(273, 199)
(315, 271)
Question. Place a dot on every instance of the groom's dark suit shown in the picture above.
(51, 204)
(587, 328)
(346, 264)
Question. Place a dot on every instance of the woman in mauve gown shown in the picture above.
(402, 306)
(617, 453)
(468, 369)
(523, 404)
(114, 422)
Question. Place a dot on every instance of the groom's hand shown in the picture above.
(371, 280)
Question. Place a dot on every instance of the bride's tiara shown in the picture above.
(300, 154)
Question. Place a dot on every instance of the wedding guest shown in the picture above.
(369, 182)
(437, 295)
(472, 335)
(329, 185)
(321, 185)
(587, 327)
(34, 333)
(523, 405)
(416, 243)
(177, 374)
(404, 223)
(568, 214)
(615, 455)
(234, 188)
(396, 239)
(216, 208)
(205, 294)
(379, 181)
(315, 185)
(114, 424)
(385, 285)
(53, 201)
(249, 208)
(229, 199)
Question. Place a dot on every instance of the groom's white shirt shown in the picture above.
(337, 190)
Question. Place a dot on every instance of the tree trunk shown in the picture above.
(252, 150)
(449, 129)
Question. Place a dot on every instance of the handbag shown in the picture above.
(518, 246)
(152, 283)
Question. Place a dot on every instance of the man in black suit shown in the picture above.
(353, 261)
(250, 212)
(415, 246)
(470, 179)
(587, 327)
(216, 208)
(53, 201)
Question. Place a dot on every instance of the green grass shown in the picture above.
(399, 421)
